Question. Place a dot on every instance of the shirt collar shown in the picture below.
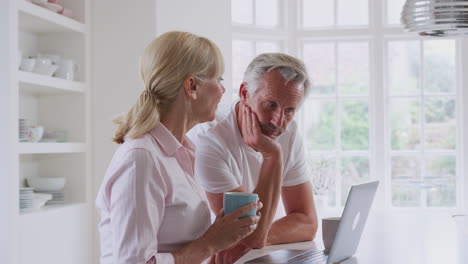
(168, 142)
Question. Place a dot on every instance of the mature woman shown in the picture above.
(152, 209)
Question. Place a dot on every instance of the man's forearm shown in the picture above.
(268, 189)
(300, 227)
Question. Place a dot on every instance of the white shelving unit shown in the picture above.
(49, 148)
(36, 84)
(33, 18)
(59, 233)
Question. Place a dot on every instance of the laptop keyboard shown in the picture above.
(311, 257)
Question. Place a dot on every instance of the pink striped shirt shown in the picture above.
(149, 201)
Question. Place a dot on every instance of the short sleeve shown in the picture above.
(297, 171)
(211, 166)
(136, 209)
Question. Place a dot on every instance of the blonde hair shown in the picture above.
(165, 64)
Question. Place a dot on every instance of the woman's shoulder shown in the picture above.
(145, 142)
(143, 147)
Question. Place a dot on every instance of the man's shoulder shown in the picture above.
(221, 130)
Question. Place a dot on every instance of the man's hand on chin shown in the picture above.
(230, 255)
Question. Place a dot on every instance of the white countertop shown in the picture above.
(396, 238)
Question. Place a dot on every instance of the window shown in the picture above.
(243, 51)
(422, 122)
(257, 13)
(334, 13)
(335, 117)
(384, 103)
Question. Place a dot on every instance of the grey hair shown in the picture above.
(292, 69)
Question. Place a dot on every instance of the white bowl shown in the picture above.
(43, 184)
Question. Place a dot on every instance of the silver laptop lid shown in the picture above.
(352, 222)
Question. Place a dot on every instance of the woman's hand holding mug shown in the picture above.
(229, 229)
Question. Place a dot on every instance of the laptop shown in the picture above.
(347, 236)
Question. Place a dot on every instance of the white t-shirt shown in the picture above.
(224, 162)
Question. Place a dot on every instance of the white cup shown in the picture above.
(27, 64)
(35, 133)
(67, 70)
(54, 58)
(329, 228)
(41, 61)
(44, 66)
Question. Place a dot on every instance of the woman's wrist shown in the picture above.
(195, 252)
(206, 245)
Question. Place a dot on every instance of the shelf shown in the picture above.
(51, 208)
(44, 148)
(37, 84)
(34, 18)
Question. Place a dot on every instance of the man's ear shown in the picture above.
(243, 92)
(191, 87)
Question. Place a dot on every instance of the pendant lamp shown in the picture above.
(436, 17)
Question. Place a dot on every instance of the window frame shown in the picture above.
(377, 33)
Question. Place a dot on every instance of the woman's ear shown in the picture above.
(191, 87)
(243, 92)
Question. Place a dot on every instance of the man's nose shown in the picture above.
(278, 118)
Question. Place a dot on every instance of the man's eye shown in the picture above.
(290, 110)
(272, 105)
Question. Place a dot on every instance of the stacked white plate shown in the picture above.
(58, 197)
(26, 198)
(23, 130)
(49, 185)
(40, 199)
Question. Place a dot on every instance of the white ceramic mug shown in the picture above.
(54, 58)
(35, 133)
(27, 64)
(329, 228)
(67, 70)
(45, 66)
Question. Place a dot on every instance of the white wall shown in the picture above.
(8, 137)
(120, 31)
(208, 18)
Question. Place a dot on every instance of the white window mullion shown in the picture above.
(422, 157)
(335, 14)
(337, 126)
(462, 124)
(377, 111)
(254, 12)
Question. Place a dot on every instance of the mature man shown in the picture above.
(255, 147)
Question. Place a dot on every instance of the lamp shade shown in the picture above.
(436, 17)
